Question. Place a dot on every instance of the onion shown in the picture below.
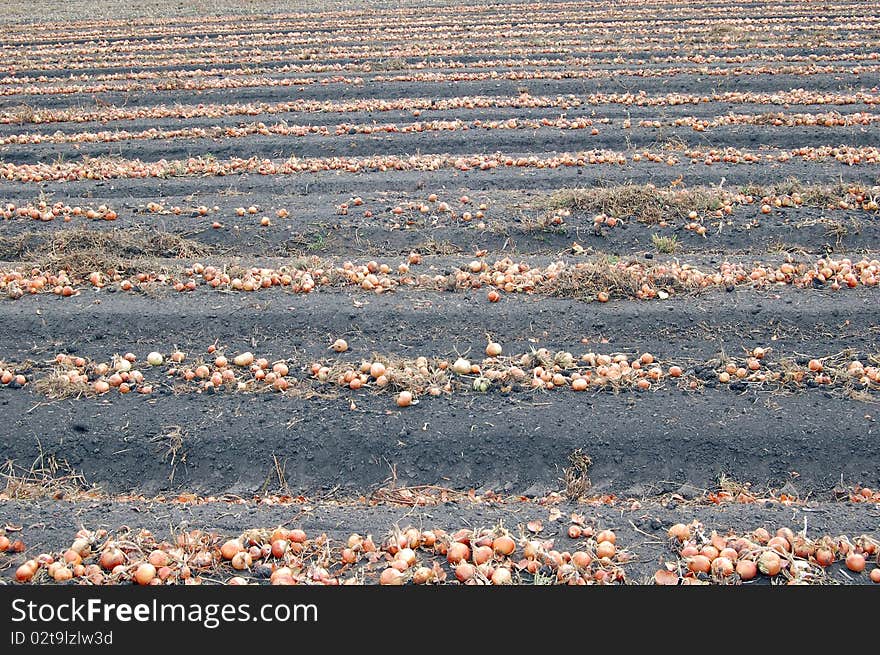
(407, 555)
(769, 563)
(404, 399)
(421, 575)
(531, 549)
(690, 550)
(464, 571)
(493, 349)
(482, 554)
(579, 384)
(242, 560)
(722, 567)
(664, 577)
(279, 547)
(155, 359)
(462, 366)
(824, 557)
(391, 577)
(504, 545)
(428, 539)
(746, 569)
(855, 562)
(709, 551)
(145, 573)
(502, 576)
(340, 345)
(730, 554)
(244, 359)
(26, 571)
(230, 549)
(761, 535)
(606, 549)
(718, 541)
(457, 552)
(412, 538)
(81, 545)
(159, 558)
(680, 531)
(581, 559)
(282, 576)
(699, 564)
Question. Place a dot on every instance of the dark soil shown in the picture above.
(340, 445)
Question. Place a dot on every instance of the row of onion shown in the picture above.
(644, 281)
(732, 558)
(409, 378)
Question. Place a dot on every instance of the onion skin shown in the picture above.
(464, 571)
(665, 578)
(457, 552)
(699, 564)
(231, 548)
(824, 557)
(242, 561)
(482, 554)
(279, 547)
(26, 571)
(855, 562)
(111, 558)
(421, 575)
(722, 567)
(493, 349)
(461, 366)
(606, 549)
(769, 563)
(502, 576)
(581, 559)
(158, 558)
(391, 577)
(504, 545)
(144, 574)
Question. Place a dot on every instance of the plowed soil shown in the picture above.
(174, 124)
